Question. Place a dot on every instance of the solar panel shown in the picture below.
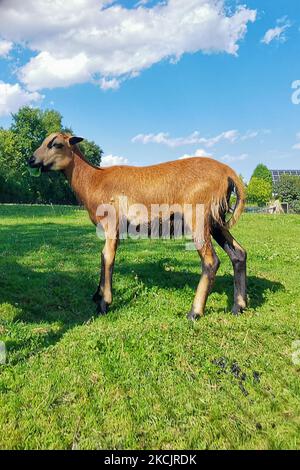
(276, 174)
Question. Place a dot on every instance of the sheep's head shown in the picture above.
(55, 153)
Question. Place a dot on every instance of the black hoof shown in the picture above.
(192, 316)
(102, 307)
(237, 310)
(96, 297)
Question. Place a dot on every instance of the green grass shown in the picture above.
(144, 377)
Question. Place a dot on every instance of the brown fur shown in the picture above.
(188, 181)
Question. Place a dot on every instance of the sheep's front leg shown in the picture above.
(103, 295)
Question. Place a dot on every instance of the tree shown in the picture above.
(10, 158)
(259, 191)
(28, 130)
(288, 190)
(91, 151)
(262, 172)
(52, 121)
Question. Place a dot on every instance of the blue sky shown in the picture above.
(147, 95)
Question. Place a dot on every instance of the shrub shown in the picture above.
(259, 191)
(263, 173)
(288, 190)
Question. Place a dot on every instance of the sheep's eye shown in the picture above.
(58, 146)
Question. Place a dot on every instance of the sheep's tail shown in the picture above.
(220, 207)
(240, 200)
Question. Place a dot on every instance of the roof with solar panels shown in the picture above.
(276, 174)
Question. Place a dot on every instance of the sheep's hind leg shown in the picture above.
(210, 266)
(238, 257)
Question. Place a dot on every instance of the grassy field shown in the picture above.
(144, 377)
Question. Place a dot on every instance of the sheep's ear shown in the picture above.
(75, 140)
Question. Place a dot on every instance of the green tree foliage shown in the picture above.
(288, 190)
(263, 173)
(28, 130)
(10, 165)
(259, 191)
(91, 151)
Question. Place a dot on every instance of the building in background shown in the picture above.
(276, 174)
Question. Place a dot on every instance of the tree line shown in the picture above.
(28, 129)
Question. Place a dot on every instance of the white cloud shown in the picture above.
(236, 158)
(12, 97)
(107, 84)
(86, 40)
(198, 153)
(192, 139)
(142, 2)
(249, 135)
(113, 160)
(54, 72)
(231, 136)
(201, 153)
(195, 138)
(5, 47)
(252, 134)
(277, 33)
